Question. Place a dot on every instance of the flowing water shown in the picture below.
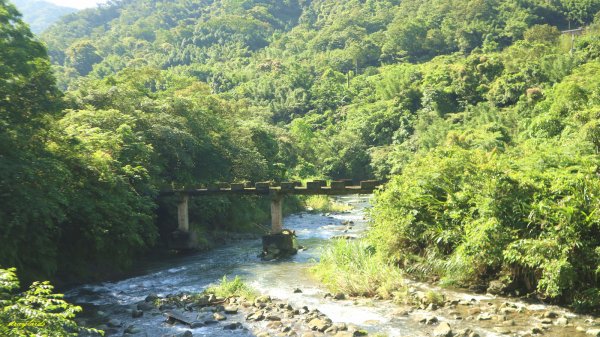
(278, 279)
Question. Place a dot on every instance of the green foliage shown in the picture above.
(481, 115)
(356, 268)
(233, 288)
(486, 215)
(324, 204)
(36, 312)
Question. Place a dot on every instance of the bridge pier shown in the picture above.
(183, 220)
(276, 214)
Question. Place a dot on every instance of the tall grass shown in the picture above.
(354, 268)
(323, 203)
(233, 288)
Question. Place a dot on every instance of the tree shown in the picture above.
(543, 34)
(82, 56)
(36, 312)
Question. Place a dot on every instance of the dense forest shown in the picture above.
(481, 114)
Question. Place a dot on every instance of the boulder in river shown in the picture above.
(145, 306)
(279, 245)
(443, 330)
(151, 297)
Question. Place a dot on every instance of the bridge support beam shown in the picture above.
(183, 220)
(276, 214)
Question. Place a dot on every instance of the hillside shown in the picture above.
(479, 112)
(41, 14)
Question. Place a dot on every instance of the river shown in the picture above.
(279, 279)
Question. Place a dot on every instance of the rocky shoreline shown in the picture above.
(431, 313)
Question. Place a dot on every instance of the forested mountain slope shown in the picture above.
(480, 112)
(41, 14)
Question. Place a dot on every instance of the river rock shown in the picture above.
(319, 324)
(509, 322)
(219, 316)
(232, 326)
(466, 333)
(563, 321)
(132, 330)
(593, 332)
(115, 323)
(297, 291)
(503, 330)
(151, 297)
(339, 296)
(137, 313)
(443, 330)
(207, 309)
(263, 299)
(496, 287)
(273, 318)
(274, 325)
(536, 330)
(484, 317)
(546, 321)
(344, 334)
(426, 319)
(145, 306)
(197, 324)
(400, 312)
(206, 318)
(256, 316)
(231, 310)
(308, 334)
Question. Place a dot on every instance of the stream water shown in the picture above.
(279, 279)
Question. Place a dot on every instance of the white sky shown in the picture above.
(79, 4)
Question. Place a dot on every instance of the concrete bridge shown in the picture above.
(276, 192)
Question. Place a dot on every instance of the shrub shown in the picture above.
(35, 312)
(355, 268)
(233, 288)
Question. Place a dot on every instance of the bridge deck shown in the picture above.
(276, 193)
(292, 188)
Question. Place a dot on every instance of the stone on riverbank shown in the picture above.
(319, 324)
(593, 332)
(231, 310)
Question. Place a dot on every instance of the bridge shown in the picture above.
(275, 191)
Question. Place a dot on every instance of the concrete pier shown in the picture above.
(276, 214)
(183, 220)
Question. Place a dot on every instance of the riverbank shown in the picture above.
(432, 312)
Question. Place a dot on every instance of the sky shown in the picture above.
(79, 4)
